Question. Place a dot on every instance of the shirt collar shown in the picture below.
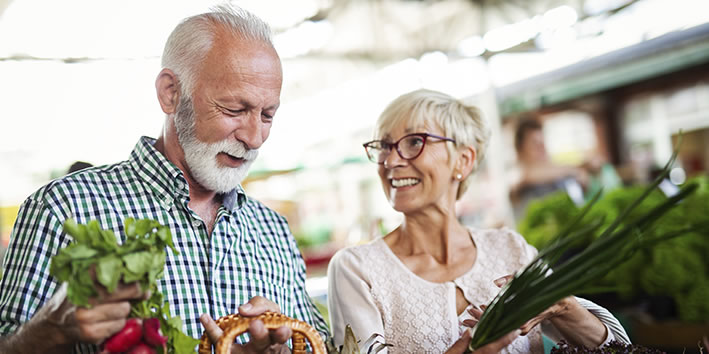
(235, 199)
(166, 180)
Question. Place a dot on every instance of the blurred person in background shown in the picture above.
(219, 89)
(540, 176)
(78, 166)
(422, 284)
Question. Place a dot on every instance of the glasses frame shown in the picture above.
(395, 145)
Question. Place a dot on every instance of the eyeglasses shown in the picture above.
(408, 147)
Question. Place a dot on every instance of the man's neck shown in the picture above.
(207, 210)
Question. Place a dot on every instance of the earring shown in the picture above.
(459, 176)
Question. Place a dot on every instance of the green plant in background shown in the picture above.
(678, 268)
(313, 233)
(545, 218)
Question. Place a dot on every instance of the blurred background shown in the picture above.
(611, 83)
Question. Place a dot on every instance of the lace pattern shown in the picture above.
(420, 316)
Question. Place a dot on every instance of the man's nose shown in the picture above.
(251, 131)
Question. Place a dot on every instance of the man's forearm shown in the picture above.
(46, 331)
(31, 337)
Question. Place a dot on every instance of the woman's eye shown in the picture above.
(415, 141)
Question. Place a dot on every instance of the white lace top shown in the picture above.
(374, 292)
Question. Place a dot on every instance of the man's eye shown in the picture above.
(235, 111)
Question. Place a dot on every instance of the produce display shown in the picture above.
(677, 268)
(95, 256)
(613, 347)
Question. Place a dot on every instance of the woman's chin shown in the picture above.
(404, 206)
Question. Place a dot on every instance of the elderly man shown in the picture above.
(220, 90)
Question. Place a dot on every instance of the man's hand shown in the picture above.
(106, 316)
(61, 325)
(262, 340)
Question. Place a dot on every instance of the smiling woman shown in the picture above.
(422, 285)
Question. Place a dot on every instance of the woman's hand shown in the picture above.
(262, 339)
(575, 324)
(461, 345)
(555, 310)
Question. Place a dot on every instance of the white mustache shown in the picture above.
(233, 148)
(237, 149)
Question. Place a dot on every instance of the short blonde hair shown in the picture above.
(424, 108)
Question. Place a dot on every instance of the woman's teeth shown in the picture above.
(404, 182)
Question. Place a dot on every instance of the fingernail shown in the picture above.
(246, 306)
(500, 281)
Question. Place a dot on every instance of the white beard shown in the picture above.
(201, 157)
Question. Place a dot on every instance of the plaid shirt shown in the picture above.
(250, 252)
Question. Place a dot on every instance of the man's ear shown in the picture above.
(466, 161)
(168, 91)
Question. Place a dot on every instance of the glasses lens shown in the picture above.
(411, 146)
(375, 152)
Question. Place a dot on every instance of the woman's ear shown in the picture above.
(466, 161)
(167, 88)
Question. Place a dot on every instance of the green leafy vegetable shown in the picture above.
(141, 258)
(675, 268)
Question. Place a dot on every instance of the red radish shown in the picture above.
(126, 338)
(152, 333)
(142, 348)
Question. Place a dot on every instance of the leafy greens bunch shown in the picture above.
(537, 286)
(96, 254)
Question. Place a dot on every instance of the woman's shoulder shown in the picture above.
(358, 255)
(505, 241)
(498, 235)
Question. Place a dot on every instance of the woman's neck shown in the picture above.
(438, 235)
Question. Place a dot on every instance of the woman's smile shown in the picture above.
(404, 182)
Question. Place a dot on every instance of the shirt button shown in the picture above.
(167, 203)
(196, 223)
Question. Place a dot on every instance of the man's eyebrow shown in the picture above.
(241, 101)
(273, 106)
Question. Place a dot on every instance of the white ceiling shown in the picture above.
(76, 76)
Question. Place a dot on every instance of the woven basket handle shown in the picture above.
(235, 325)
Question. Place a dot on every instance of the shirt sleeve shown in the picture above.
(304, 306)
(615, 330)
(26, 283)
(349, 298)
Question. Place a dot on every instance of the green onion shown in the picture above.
(537, 287)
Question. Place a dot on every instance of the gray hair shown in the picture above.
(192, 39)
(426, 108)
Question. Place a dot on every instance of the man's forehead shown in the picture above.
(243, 60)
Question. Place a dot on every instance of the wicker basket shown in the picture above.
(234, 325)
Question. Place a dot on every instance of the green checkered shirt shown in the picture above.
(250, 252)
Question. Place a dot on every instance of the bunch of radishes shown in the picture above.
(137, 337)
(140, 258)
